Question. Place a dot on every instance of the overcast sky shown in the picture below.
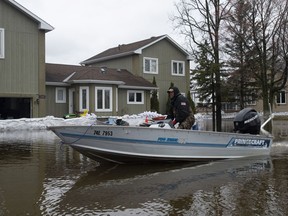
(88, 27)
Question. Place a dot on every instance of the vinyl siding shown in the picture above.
(92, 99)
(19, 68)
(22, 71)
(119, 63)
(125, 108)
(165, 52)
(53, 108)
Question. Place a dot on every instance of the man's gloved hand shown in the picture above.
(172, 123)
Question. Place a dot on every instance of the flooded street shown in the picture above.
(39, 176)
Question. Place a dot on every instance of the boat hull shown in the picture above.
(124, 144)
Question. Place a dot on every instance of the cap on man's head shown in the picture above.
(173, 89)
(170, 90)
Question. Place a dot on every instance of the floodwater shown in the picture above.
(39, 176)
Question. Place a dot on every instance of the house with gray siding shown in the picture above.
(100, 90)
(160, 57)
(22, 62)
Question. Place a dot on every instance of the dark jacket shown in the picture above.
(180, 105)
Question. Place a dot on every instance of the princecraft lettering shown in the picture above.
(249, 142)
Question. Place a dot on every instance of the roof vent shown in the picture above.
(120, 45)
(103, 69)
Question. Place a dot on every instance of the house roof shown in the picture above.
(58, 74)
(42, 24)
(130, 49)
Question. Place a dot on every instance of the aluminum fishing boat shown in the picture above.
(125, 144)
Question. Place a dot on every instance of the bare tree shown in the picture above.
(238, 43)
(198, 21)
(267, 44)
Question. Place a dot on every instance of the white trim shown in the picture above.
(56, 84)
(252, 102)
(189, 57)
(61, 100)
(71, 100)
(108, 57)
(137, 87)
(81, 108)
(117, 96)
(67, 78)
(98, 81)
(150, 60)
(139, 51)
(103, 99)
(178, 63)
(135, 92)
(279, 95)
(42, 24)
(2, 43)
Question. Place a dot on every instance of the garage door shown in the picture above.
(14, 108)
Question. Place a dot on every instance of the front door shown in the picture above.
(71, 100)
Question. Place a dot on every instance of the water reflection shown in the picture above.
(41, 177)
(159, 189)
(27, 161)
(280, 130)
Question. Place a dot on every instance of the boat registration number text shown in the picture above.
(103, 133)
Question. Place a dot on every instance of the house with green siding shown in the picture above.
(99, 90)
(31, 88)
(22, 62)
(119, 80)
(160, 57)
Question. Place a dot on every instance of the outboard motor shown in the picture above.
(247, 121)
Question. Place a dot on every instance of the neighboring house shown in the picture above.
(22, 62)
(159, 57)
(280, 103)
(100, 90)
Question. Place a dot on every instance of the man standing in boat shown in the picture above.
(182, 111)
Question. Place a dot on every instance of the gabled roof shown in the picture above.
(130, 49)
(42, 24)
(58, 74)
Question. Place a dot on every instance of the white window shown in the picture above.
(2, 48)
(135, 97)
(84, 98)
(150, 65)
(60, 95)
(103, 99)
(281, 98)
(250, 100)
(178, 68)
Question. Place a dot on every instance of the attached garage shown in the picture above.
(14, 108)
